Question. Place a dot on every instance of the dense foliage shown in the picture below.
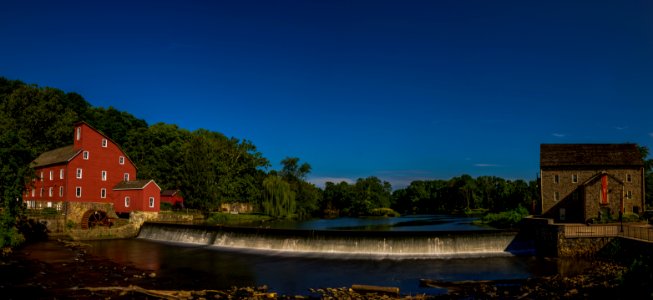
(465, 193)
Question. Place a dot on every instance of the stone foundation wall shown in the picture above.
(582, 247)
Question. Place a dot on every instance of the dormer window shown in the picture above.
(85, 155)
(104, 143)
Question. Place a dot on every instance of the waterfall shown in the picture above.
(330, 242)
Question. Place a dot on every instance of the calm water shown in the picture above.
(407, 223)
(208, 267)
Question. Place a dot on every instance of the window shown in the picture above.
(61, 191)
(556, 196)
(79, 173)
(104, 143)
(126, 201)
(574, 178)
(151, 201)
(121, 160)
(50, 191)
(126, 177)
(79, 133)
(78, 192)
(556, 178)
(629, 195)
(51, 174)
(85, 155)
(60, 173)
(104, 175)
(103, 193)
(629, 178)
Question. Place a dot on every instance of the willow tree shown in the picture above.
(278, 197)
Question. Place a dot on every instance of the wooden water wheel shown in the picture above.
(93, 218)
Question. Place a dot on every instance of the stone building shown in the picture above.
(583, 182)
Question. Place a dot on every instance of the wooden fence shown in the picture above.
(639, 232)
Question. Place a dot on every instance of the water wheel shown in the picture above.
(94, 218)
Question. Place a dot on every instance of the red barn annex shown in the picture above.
(92, 169)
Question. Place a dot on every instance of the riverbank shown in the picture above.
(65, 270)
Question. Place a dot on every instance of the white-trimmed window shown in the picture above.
(61, 191)
(78, 174)
(104, 175)
(79, 133)
(151, 201)
(125, 177)
(50, 191)
(85, 155)
(556, 178)
(103, 193)
(127, 201)
(104, 143)
(556, 196)
(51, 174)
(60, 173)
(574, 178)
(121, 160)
(78, 191)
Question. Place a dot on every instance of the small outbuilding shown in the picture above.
(173, 197)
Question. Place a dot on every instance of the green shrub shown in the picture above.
(506, 219)
(384, 212)
(70, 224)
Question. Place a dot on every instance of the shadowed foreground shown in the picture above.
(73, 274)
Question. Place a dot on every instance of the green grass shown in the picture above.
(220, 218)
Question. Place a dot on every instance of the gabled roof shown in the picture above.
(56, 156)
(134, 184)
(590, 155)
(169, 192)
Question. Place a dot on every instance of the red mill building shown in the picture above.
(580, 182)
(93, 170)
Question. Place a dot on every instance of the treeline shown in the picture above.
(211, 168)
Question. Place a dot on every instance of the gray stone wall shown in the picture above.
(568, 191)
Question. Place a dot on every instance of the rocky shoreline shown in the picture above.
(74, 274)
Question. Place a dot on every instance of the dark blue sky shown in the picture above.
(401, 90)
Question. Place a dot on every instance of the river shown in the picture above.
(214, 264)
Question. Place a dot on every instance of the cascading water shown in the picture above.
(332, 242)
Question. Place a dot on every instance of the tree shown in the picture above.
(292, 168)
(200, 182)
(278, 198)
(648, 175)
(370, 193)
(337, 198)
(307, 195)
